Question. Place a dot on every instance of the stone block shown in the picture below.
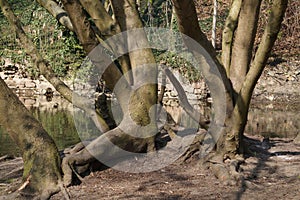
(30, 84)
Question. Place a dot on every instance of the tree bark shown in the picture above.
(243, 42)
(42, 172)
(239, 116)
(188, 24)
(108, 28)
(57, 12)
(89, 40)
(142, 61)
(214, 24)
(138, 128)
(228, 34)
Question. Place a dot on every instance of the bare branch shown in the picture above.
(57, 12)
(214, 26)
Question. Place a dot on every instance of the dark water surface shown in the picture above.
(265, 120)
(58, 123)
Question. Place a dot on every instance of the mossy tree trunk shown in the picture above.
(135, 104)
(242, 71)
(42, 172)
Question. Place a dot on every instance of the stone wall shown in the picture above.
(32, 92)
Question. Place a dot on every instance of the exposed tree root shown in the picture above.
(108, 147)
(227, 171)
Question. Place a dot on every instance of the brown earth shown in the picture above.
(271, 172)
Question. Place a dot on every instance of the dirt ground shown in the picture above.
(271, 172)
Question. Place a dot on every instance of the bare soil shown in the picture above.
(270, 172)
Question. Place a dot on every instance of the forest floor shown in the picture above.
(272, 171)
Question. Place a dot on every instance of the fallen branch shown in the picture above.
(25, 184)
(17, 170)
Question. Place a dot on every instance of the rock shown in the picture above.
(192, 97)
(30, 84)
(170, 86)
(297, 139)
(25, 92)
(174, 104)
(173, 94)
(29, 102)
(10, 83)
(188, 88)
(197, 91)
(196, 85)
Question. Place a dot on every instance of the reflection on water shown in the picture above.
(267, 121)
(274, 120)
(57, 122)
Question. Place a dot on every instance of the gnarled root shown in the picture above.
(226, 171)
(107, 148)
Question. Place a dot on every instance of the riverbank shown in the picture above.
(272, 170)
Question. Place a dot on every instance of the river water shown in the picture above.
(265, 120)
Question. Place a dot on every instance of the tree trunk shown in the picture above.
(243, 42)
(42, 172)
(108, 28)
(230, 142)
(138, 128)
(239, 116)
(228, 34)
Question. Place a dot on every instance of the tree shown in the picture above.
(37, 147)
(240, 68)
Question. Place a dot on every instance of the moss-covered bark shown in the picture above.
(228, 33)
(42, 170)
(230, 142)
